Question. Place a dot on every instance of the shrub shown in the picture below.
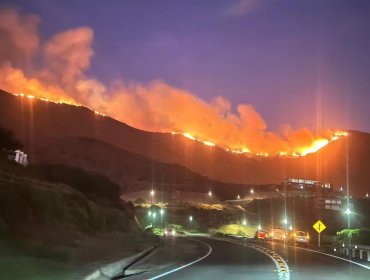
(358, 236)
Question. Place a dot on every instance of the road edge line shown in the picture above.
(185, 265)
(281, 274)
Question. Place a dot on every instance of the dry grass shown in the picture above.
(236, 229)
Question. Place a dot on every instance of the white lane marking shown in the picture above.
(188, 264)
(326, 254)
(283, 275)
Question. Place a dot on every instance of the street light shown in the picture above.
(348, 211)
(252, 191)
(150, 213)
(259, 227)
(161, 211)
(190, 218)
(210, 193)
(290, 227)
(244, 222)
(367, 195)
(238, 197)
(152, 192)
(154, 215)
(285, 221)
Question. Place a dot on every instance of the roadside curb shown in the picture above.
(117, 269)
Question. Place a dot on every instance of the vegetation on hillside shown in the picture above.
(8, 141)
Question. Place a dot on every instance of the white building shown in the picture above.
(19, 157)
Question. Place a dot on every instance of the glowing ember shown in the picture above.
(340, 133)
(317, 145)
(208, 143)
(188, 135)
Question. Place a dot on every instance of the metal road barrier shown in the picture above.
(355, 251)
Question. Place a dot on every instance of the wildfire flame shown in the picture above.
(316, 145)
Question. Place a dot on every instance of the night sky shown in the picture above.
(301, 62)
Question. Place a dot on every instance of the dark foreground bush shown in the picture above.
(23, 204)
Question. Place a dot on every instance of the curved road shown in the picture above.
(204, 258)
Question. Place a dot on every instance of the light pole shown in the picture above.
(152, 193)
(161, 212)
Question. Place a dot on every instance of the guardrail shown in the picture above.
(355, 251)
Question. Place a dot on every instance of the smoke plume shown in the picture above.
(60, 74)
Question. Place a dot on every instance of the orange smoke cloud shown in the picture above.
(156, 106)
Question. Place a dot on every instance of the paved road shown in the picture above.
(204, 258)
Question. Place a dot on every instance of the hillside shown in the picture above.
(44, 127)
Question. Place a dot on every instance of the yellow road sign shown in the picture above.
(319, 226)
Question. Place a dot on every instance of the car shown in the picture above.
(276, 233)
(169, 231)
(260, 234)
(300, 237)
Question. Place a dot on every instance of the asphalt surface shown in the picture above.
(205, 258)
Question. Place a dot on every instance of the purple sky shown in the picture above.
(306, 63)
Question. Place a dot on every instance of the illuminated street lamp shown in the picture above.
(348, 211)
(259, 227)
(290, 227)
(161, 211)
(244, 222)
(252, 191)
(150, 213)
(190, 218)
(210, 193)
(366, 195)
(285, 221)
(154, 215)
(238, 197)
(152, 193)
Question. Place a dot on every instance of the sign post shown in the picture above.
(319, 227)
